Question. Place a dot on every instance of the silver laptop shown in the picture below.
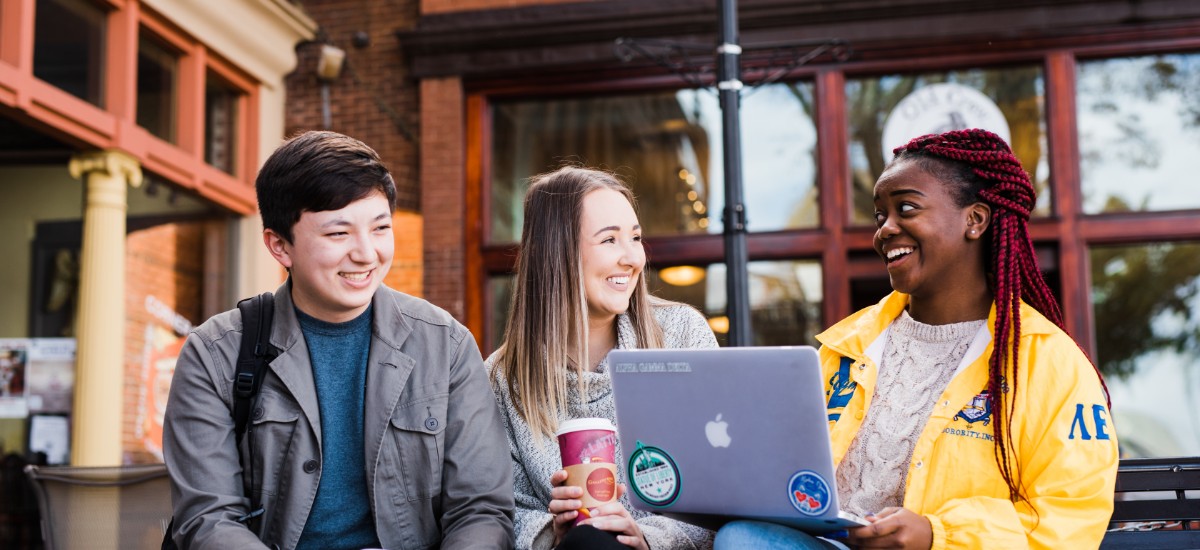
(713, 435)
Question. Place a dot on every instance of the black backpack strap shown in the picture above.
(253, 356)
(255, 352)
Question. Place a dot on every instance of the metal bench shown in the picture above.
(1153, 507)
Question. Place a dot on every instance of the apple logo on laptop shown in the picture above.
(717, 432)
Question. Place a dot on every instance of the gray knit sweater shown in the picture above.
(534, 463)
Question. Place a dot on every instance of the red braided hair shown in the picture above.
(980, 167)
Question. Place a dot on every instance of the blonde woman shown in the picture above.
(578, 293)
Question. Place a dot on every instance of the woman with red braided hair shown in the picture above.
(961, 414)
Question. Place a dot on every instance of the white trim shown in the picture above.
(257, 36)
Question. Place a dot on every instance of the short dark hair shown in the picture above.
(318, 171)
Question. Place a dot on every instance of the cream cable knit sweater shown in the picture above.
(534, 461)
(918, 362)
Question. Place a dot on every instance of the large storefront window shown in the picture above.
(785, 298)
(68, 49)
(779, 151)
(667, 146)
(1139, 130)
(1148, 343)
(885, 112)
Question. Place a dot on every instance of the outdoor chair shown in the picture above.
(1157, 505)
(122, 507)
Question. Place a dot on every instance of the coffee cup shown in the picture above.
(588, 447)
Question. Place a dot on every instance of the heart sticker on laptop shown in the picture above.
(809, 493)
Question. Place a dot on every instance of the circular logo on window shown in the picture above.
(809, 493)
(939, 108)
(654, 475)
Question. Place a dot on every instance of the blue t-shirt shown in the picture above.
(341, 514)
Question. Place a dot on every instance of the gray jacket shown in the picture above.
(436, 460)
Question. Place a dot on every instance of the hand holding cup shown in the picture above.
(588, 447)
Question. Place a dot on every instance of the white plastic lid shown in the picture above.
(581, 424)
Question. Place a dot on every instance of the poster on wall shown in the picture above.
(50, 434)
(50, 375)
(164, 340)
(14, 356)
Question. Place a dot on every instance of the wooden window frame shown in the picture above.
(194, 63)
(837, 242)
(86, 126)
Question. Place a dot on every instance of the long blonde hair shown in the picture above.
(549, 304)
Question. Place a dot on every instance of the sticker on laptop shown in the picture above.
(655, 477)
(809, 493)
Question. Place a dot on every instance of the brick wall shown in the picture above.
(373, 100)
(442, 191)
(166, 264)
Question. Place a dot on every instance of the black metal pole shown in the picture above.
(729, 86)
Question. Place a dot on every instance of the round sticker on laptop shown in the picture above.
(809, 493)
(654, 475)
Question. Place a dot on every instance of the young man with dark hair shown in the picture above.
(374, 426)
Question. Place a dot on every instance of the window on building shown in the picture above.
(666, 145)
(68, 49)
(1139, 121)
(499, 298)
(885, 112)
(785, 298)
(868, 291)
(648, 139)
(1148, 343)
(221, 101)
(157, 82)
(779, 162)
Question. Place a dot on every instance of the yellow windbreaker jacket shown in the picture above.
(1066, 446)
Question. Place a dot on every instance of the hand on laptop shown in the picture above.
(893, 528)
(611, 517)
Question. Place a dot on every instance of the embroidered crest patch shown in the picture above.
(979, 410)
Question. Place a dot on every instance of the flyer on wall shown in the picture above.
(14, 356)
(50, 375)
(50, 434)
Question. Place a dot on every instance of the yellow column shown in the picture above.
(100, 325)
